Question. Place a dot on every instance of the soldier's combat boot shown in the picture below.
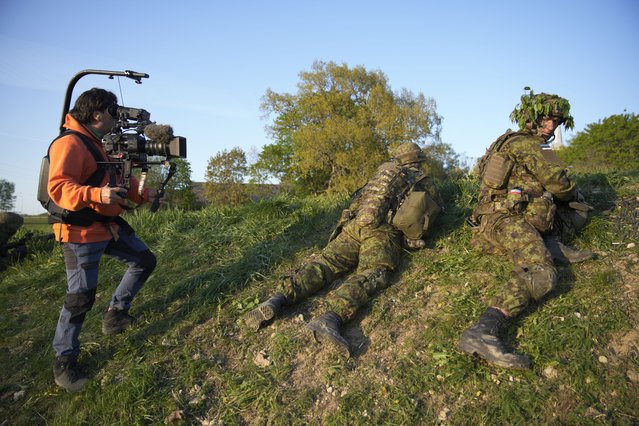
(482, 339)
(116, 321)
(67, 375)
(264, 312)
(562, 253)
(325, 330)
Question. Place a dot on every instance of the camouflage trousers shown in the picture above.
(534, 274)
(373, 252)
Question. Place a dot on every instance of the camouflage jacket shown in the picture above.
(529, 170)
(384, 193)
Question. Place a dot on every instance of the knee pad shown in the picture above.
(313, 272)
(147, 260)
(372, 280)
(539, 280)
(79, 304)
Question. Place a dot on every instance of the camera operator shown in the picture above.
(71, 166)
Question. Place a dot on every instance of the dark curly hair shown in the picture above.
(91, 101)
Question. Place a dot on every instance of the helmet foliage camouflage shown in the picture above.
(408, 152)
(534, 107)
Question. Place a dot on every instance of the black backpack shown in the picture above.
(85, 216)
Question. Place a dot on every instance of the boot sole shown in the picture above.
(110, 331)
(73, 387)
(341, 348)
(258, 316)
(474, 348)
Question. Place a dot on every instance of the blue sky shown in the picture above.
(210, 62)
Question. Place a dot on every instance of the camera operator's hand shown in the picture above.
(109, 194)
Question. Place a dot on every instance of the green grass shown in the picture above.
(188, 355)
(36, 224)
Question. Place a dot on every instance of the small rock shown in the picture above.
(593, 412)
(578, 315)
(603, 359)
(261, 359)
(174, 416)
(550, 373)
(633, 376)
(630, 245)
(443, 414)
(18, 395)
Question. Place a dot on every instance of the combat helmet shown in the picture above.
(408, 152)
(533, 107)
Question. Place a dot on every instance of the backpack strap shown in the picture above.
(85, 216)
(96, 178)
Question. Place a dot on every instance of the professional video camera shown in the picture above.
(137, 137)
(134, 139)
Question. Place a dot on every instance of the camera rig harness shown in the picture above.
(133, 140)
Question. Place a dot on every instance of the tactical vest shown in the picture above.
(384, 193)
(495, 166)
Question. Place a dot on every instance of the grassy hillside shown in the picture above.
(189, 361)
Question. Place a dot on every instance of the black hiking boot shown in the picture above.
(116, 321)
(481, 339)
(264, 312)
(67, 375)
(564, 254)
(325, 330)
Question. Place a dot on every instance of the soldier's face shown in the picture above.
(548, 126)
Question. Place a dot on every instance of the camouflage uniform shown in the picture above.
(367, 241)
(512, 219)
(9, 225)
(516, 214)
(368, 237)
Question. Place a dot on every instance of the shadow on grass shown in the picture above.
(215, 285)
(565, 283)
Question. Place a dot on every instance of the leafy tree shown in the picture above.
(179, 189)
(610, 144)
(7, 197)
(225, 177)
(339, 126)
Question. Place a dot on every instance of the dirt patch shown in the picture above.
(626, 345)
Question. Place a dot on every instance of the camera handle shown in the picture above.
(156, 203)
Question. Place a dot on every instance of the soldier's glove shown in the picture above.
(580, 206)
(415, 244)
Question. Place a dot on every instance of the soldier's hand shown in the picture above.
(415, 244)
(109, 194)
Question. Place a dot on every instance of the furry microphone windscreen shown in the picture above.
(159, 132)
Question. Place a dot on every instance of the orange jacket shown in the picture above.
(71, 163)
